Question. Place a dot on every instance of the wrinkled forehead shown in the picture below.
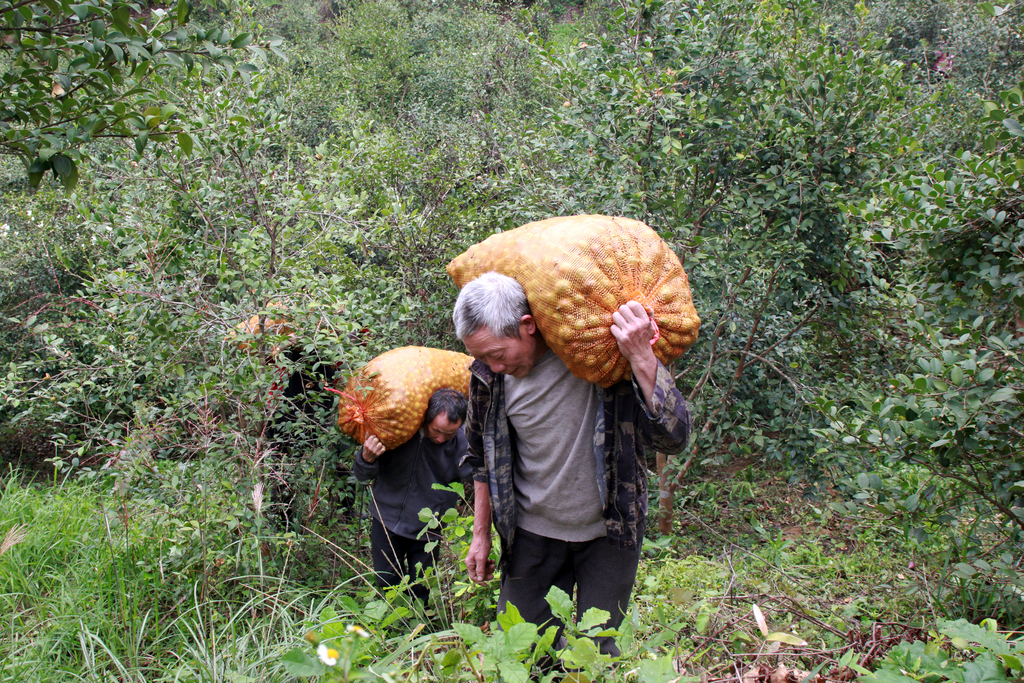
(484, 343)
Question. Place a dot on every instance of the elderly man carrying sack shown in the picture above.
(558, 462)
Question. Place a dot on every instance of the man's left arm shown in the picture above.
(665, 423)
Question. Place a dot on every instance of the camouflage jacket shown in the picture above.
(621, 431)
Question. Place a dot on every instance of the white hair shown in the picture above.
(494, 301)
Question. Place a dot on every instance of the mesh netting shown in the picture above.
(389, 396)
(577, 271)
(273, 326)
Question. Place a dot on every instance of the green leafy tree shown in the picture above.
(956, 411)
(75, 73)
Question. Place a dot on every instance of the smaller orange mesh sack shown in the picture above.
(277, 326)
(576, 272)
(389, 396)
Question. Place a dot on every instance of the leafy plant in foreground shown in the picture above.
(959, 652)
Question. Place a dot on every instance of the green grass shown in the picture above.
(81, 602)
(97, 590)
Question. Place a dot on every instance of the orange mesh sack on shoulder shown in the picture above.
(577, 271)
(389, 396)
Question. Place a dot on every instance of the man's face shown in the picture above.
(514, 356)
(440, 430)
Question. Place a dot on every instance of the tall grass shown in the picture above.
(81, 602)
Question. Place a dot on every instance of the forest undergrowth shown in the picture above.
(840, 180)
(86, 582)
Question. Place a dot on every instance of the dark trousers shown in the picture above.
(395, 556)
(602, 574)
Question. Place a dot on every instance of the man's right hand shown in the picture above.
(372, 448)
(478, 559)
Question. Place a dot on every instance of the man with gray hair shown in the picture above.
(558, 463)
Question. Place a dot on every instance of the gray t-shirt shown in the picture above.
(554, 414)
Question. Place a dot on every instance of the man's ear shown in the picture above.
(528, 324)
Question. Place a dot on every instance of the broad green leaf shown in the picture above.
(185, 143)
(593, 617)
(36, 171)
(299, 663)
(521, 636)
(658, 670)
(1012, 662)
(1004, 394)
(452, 657)
(510, 617)
(547, 639)
(120, 16)
(990, 641)
(986, 668)
(887, 676)
(470, 634)
(513, 672)
(561, 604)
(71, 179)
(920, 658)
(141, 140)
(184, 10)
(61, 164)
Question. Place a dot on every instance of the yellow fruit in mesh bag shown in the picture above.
(577, 271)
(389, 396)
(278, 326)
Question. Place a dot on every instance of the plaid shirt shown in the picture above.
(621, 431)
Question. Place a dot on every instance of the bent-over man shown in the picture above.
(558, 463)
(403, 485)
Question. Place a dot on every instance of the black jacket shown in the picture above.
(405, 477)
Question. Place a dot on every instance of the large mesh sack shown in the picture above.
(389, 396)
(577, 271)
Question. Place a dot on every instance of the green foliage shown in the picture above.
(328, 191)
(86, 582)
(960, 652)
(954, 52)
(956, 411)
(516, 651)
(35, 232)
(78, 73)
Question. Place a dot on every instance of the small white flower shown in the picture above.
(358, 630)
(328, 655)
